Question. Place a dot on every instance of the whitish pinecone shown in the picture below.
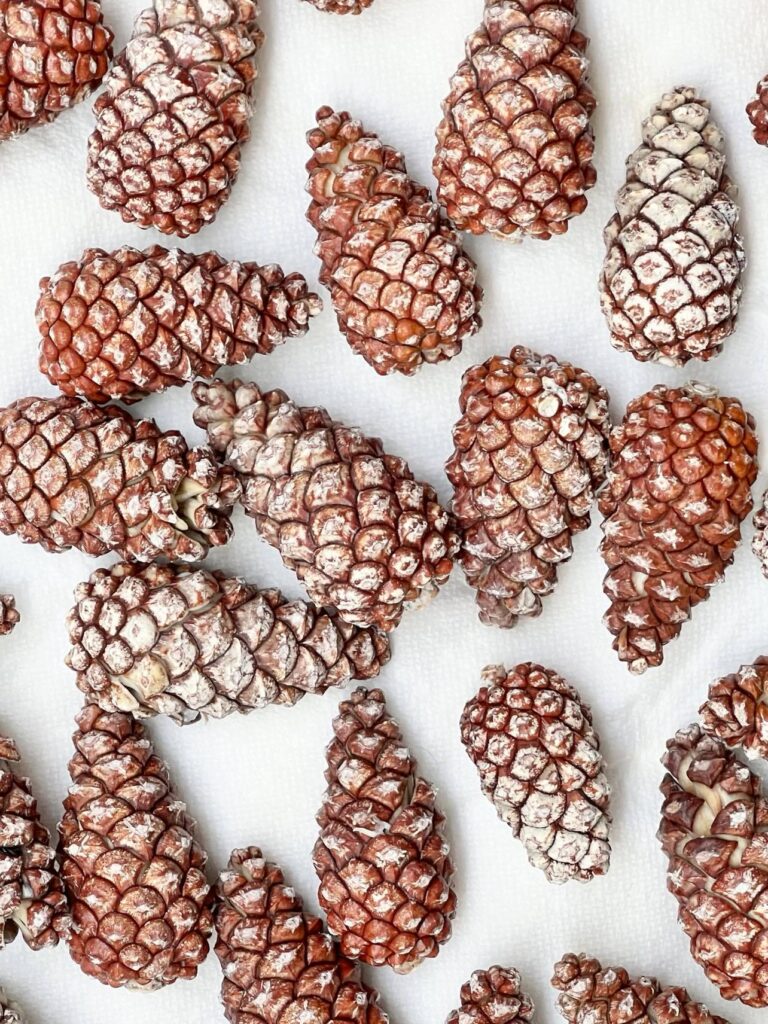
(757, 111)
(73, 475)
(760, 536)
(9, 617)
(279, 963)
(175, 113)
(684, 460)
(402, 286)
(671, 280)
(530, 451)
(531, 738)
(590, 993)
(52, 54)
(124, 324)
(494, 996)
(736, 709)
(381, 857)
(714, 830)
(10, 1013)
(514, 147)
(159, 640)
(341, 6)
(32, 900)
(132, 868)
(361, 534)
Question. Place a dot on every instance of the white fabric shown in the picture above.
(258, 779)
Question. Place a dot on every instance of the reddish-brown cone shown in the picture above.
(9, 617)
(736, 709)
(341, 6)
(757, 111)
(494, 996)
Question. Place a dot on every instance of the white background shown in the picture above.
(259, 779)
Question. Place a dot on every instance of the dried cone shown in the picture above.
(714, 830)
(279, 963)
(175, 113)
(760, 536)
(361, 534)
(72, 475)
(671, 280)
(133, 871)
(9, 617)
(341, 6)
(684, 460)
(382, 860)
(125, 324)
(52, 54)
(530, 451)
(757, 111)
(494, 996)
(736, 710)
(402, 286)
(9, 1011)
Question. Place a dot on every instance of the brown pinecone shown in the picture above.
(494, 996)
(714, 830)
(124, 324)
(671, 281)
(684, 460)
(736, 710)
(757, 111)
(530, 451)
(133, 871)
(760, 536)
(361, 534)
(175, 113)
(514, 147)
(402, 286)
(160, 640)
(52, 54)
(381, 857)
(279, 963)
(32, 900)
(341, 6)
(9, 617)
(590, 994)
(10, 1013)
(73, 475)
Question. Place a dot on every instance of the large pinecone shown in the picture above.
(736, 709)
(684, 460)
(757, 111)
(32, 900)
(714, 830)
(671, 281)
(402, 286)
(383, 862)
(361, 534)
(72, 475)
(52, 54)
(124, 324)
(494, 996)
(10, 1013)
(530, 451)
(279, 963)
(133, 870)
(158, 640)
(175, 113)
(514, 147)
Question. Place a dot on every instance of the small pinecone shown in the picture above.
(124, 324)
(73, 475)
(9, 617)
(32, 900)
(175, 113)
(402, 286)
(159, 640)
(132, 868)
(736, 710)
(590, 994)
(279, 963)
(530, 451)
(530, 736)
(514, 148)
(684, 460)
(382, 860)
(757, 112)
(53, 53)
(760, 537)
(714, 830)
(494, 996)
(671, 280)
(361, 534)
(341, 6)
(10, 1013)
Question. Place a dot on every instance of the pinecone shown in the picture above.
(714, 830)
(175, 113)
(677, 493)
(591, 993)
(530, 450)
(494, 996)
(514, 147)
(361, 534)
(757, 111)
(9, 617)
(10, 1013)
(124, 324)
(52, 54)
(133, 870)
(381, 857)
(736, 710)
(760, 537)
(32, 900)
(279, 963)
(341, 6)
(403, 289)
(530, 736)
(72, 475)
